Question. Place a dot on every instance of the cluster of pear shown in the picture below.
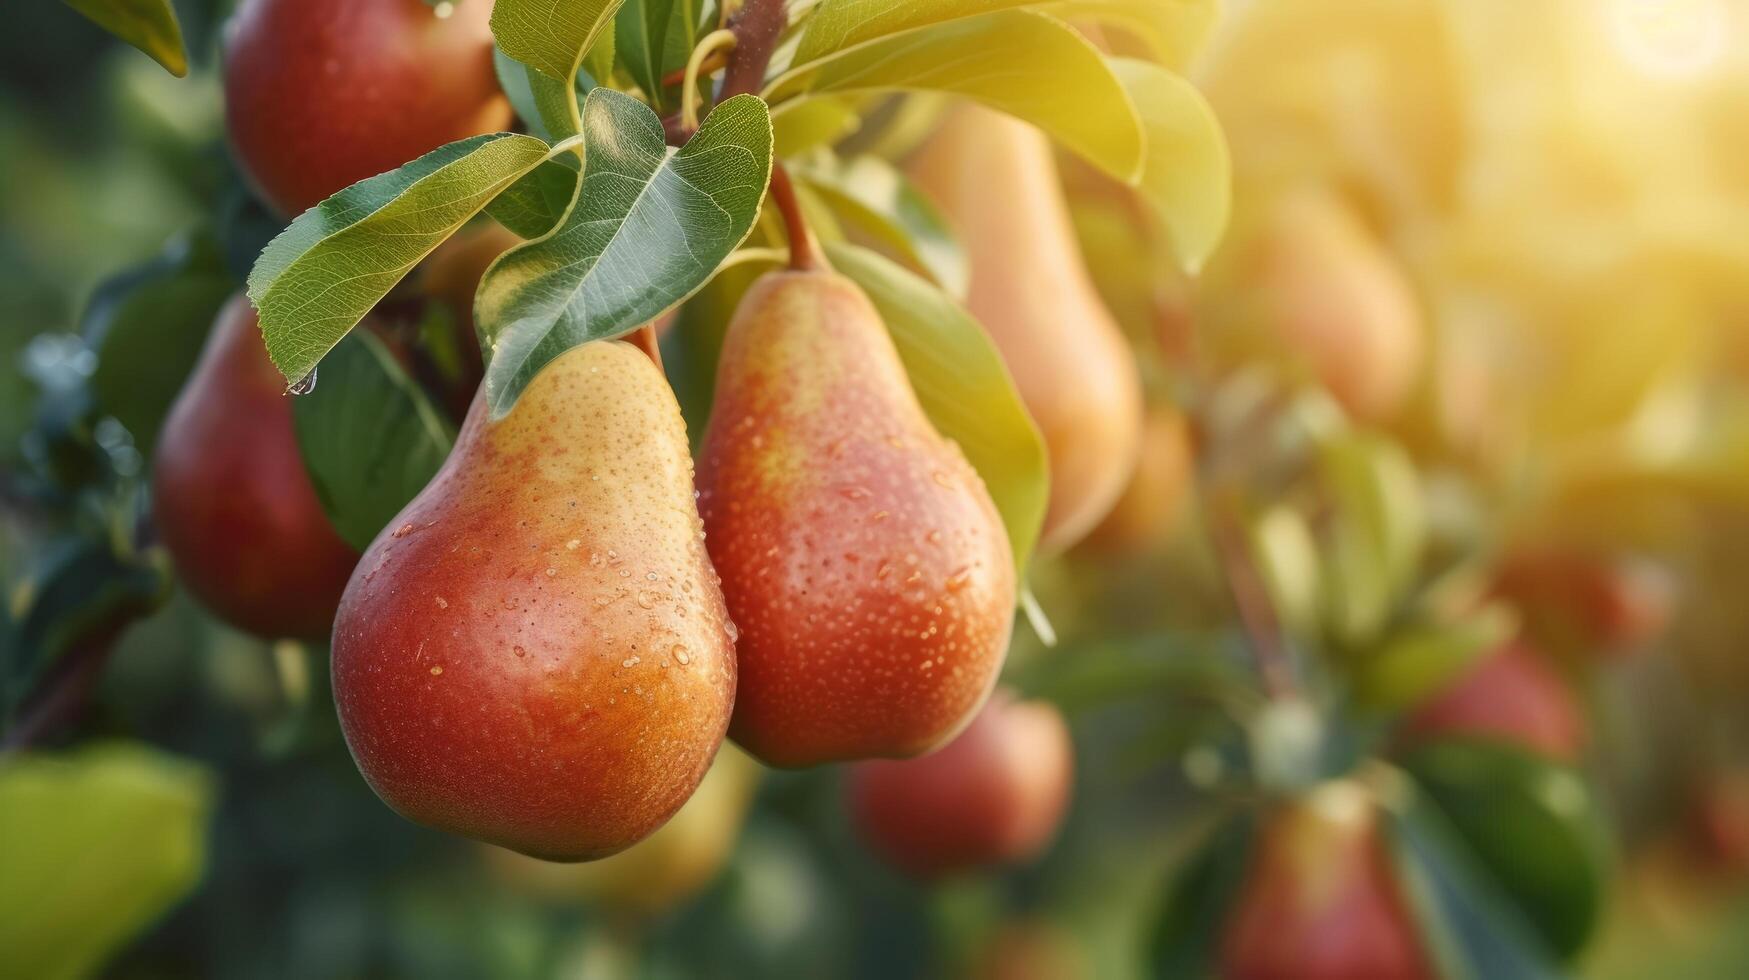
(547, 647)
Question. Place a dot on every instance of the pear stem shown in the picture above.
(783, 194)
(644, 339)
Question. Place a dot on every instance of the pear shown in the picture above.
(1155, 499)
(861, 556)
(1339, 300)
(1510, 695)
(536, 653)
(1320, 901)
(996, 180)
(231, 499)
(994, 795)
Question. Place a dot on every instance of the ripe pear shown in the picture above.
(996, 180)
(1320, 901)
(1339, 300)
(1511, 695)
(231, 499)
(535, 652)
(994, 795)
(320, 94)
(660, 872)
(1587, 604)
(861, 555)
(1158, 490)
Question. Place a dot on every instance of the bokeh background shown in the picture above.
(1540, 208)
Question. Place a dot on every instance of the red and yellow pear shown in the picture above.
(232, 501)
(994, 795)
(861, 556)
(535, 652)
(320, 94)
(1340, 301)
(996, 180)
(1320, 900)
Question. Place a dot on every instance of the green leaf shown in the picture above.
(1186, 928)
(551, 36)
(323, 273)
(881, 201)
(1472, 930)
(536, 204)
(1188, 175)
(78, 590)
(641, 39)
(814, 123)
(1287, 558)
(1175, 28)
(1023, 63)
(540, 100)
(964, 388)
(148, 325)
(97, 844)
(1533, 825)
(648, 227)
(370, 438)
(149, 25)
(1378, 530)
(1416, 662)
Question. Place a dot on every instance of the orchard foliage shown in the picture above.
(1185, 341)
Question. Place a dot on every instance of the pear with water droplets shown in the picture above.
(861, 556)
(536, 653)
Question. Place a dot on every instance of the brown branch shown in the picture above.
(757, 26)
(64, 694)
(1250, 598)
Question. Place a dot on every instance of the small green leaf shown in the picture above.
(148, 325)
(964, 388)
(1378, 530)
(1414, 663)
(540, 100)
(551, 36)
(149, 25)
(878, 199)
(1287, 557)
(648, 227)
(1023, 63)
(1188, 176)
(1185, 935)
(322, 274)
(97, 844)
(1533, 825)
(536, 204)
(370, 438)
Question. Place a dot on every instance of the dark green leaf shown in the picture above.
(149, 25)
(536, 204)
(1472, 930)
(324, 272)
(370, 438)
(97, 844)
(1533, 825)
(641, 39)
(648, 227)
(147, 326)
(540, 100)
(1186, 932)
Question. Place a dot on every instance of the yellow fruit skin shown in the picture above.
(535, 652)
(1155, 498)
(996, 180)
